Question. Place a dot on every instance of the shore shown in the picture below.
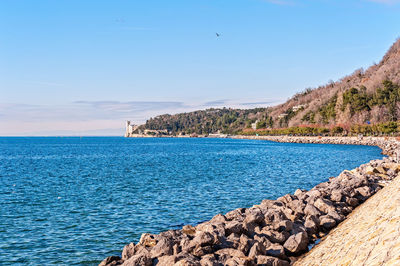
(274, 232)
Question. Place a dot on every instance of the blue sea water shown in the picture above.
(71, 200)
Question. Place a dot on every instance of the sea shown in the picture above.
(77, 200)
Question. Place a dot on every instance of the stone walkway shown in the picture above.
(369, 236)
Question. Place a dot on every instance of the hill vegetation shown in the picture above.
(367, 101)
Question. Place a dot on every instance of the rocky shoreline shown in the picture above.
(274, 232)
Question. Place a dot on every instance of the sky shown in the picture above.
(71, 67)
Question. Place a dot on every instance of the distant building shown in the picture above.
(298, 107)
(130, 128)
(283, 115)
(254, 125)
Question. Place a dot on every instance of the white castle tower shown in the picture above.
(128, 129)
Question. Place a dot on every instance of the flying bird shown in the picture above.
(217, 34)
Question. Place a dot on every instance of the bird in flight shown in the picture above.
(217, 34)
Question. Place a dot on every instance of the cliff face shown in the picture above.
(327, 104)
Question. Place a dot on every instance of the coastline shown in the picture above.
(275, 232)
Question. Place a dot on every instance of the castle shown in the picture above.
(130, 128)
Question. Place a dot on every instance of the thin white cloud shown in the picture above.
(97, 117)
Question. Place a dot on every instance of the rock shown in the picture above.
(271, 204)
(369, 170)
(314, 193)
(270, 261)
(327, 222)
(364, 191)
(201, 251)
(311, 224)
(234, 261)
(276, 237)
(189, 230)
(215, 228)
(185, 259)
(166, 260)
(285, 225)
(297, 206)
(176, 249)
(380, 169)
(186, 245)
(337, 217)
(254, 215)
(235, 215)
(299, 193)
(324, 205)
(245, 243)
(219, 218)
(352, 201)
(231, 252)
(256, 249)
(112, 260)
(233, 227)
(276, 250)
(311, 210)
(163, 248)
(138, 260)
(128, 251)
(274, 216)
(297, 243)
(209, 260)
(148, 240)
(204, 238)
(336, 195)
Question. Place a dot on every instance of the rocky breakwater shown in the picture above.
(275, 232)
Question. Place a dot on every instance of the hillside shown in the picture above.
(224, 120)
(368, 96)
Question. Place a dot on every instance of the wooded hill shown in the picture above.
(362, 99)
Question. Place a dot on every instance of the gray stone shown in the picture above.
(128, 251)
(111, 261)
(327, 222)
(256, 249)
(233, 227)
(336, 195)
(138, 260)
(324, 205)
(271, 261)
(297, 243)
(311, 210)
(163, 248)
(276, 250)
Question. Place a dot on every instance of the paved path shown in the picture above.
(369, 236)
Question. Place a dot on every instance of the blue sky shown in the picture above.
(84, 67)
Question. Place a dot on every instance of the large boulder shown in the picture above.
(271, 261)
(188, 230)
(276, 250)
(327, 222)
(128, 251)
(111, 261)
(139, 260)
(324, 205)
(233, 227)
(311, 210)
(163, 248)
(256, 249)
(297, 243)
